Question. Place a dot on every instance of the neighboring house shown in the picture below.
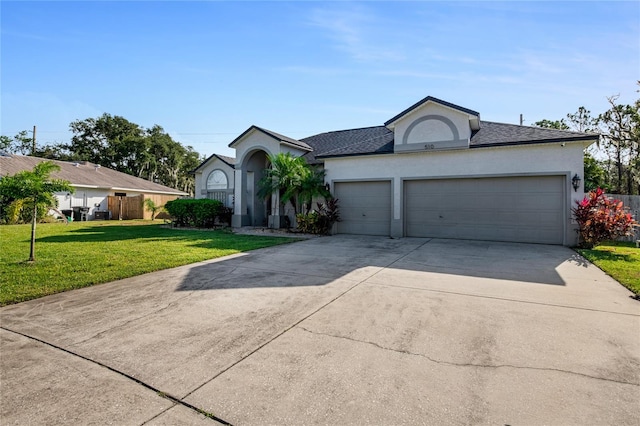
(433, 170)
(100, 192)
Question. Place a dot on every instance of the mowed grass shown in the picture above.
(81, 254)
(621, 260)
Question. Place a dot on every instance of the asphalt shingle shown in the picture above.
(367, 140)
(502, 134)
(85, 173)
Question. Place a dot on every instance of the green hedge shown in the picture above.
(201, 213)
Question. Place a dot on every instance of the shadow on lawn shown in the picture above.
(606, 255)
(113, 233)
(211, 239)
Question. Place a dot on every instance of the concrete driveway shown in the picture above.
(337, 330)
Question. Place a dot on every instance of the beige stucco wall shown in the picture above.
(433, 131)
(500, 161)
(201, 176)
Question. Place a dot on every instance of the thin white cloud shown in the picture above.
(353, 30)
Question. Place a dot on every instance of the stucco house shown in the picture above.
(433, 170)
(100, 192)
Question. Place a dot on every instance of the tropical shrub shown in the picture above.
(601, 218)
(319, 221)
(21, 211)
(225, 215)
(201, 213)
(152, 207)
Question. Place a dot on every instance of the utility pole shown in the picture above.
(33, 148)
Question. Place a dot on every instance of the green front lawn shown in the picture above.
(618, 259)
(81, 254)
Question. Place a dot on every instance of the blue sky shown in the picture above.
(207, 70)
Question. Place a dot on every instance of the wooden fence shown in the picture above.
(632, 202)
(127, 208)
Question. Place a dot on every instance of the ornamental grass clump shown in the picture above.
(601, 218)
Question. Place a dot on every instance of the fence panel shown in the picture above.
(126, 208)
(632, 202)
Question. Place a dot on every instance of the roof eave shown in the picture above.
(194, 171)
(322, 157)
(391, 123)
(149, 191)
(303, 148)
(581, 140)
(271, 135)
(243, 134)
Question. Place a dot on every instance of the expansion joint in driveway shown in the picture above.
(508, 299)
(176, 401)
(297, 323)
(470, 364)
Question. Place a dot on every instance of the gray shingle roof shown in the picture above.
(379, 139)
(287, 139)
(230, 161)
(502, 134)
(367, 140)
(436, 100)
(85, 174)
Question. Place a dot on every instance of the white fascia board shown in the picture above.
(114, 188)
(149, 191)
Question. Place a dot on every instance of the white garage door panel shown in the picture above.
(519, 209)
(365, 207)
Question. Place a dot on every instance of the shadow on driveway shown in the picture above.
(320, 261)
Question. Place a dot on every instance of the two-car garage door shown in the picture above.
(516, 208)
(519, 209)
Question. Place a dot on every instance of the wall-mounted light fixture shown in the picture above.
(575, 182)
(327, 187)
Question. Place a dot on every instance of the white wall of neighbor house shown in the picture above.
(93, 198)
(554, 158)
(85, 197)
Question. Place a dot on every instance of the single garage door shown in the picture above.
(520, 209)
(365, 207)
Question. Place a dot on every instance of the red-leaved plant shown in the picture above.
(601, 218)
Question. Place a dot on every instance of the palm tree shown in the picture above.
(37, 187)
(284, 176)
(312, 185)
(294, 180)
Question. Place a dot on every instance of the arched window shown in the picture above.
(217, 180)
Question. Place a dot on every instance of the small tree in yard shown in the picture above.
(36, 188)
(601, 218)
(152, 207)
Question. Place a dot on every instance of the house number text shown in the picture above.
(429, 146)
